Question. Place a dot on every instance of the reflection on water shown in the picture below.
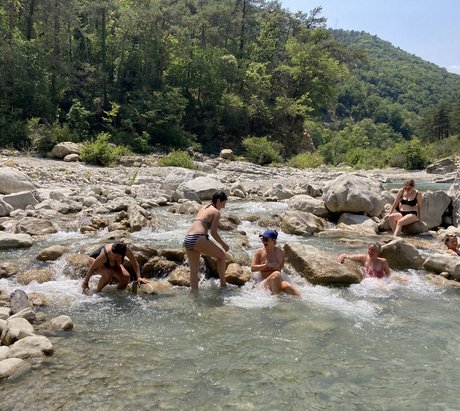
(374, 345)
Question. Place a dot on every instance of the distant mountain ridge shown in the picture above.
(393, 74)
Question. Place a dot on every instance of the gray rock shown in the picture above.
(16, 329)
(9, 240)
(440, 263)
(13, 181)
(51, 253)
(402, 255)
(354, 194)
(65, 148)
(61, 323)
(319, 268)
(21, 200)
(444, 166)
(300, 223)
(13, 367)
(36, 346)
(19, 301)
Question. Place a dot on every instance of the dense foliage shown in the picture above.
(208, 74)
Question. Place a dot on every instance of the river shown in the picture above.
(375, 345)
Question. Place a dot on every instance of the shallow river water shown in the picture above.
(378, 345)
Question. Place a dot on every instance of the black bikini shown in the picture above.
(410, 203)
(96, 253)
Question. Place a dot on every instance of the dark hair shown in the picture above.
(119, 248)
(218, 195)
(448, 237)
(377, 246)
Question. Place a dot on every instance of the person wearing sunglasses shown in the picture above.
(267, 263)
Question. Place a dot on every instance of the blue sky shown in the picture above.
(429, 29)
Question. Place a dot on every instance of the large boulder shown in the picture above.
(443, 263)
(76, 266)
(10, 240)
(354, 194)
(65, 148)
(14, 181)
(278, 191)
(454, 193)
(201, 187)
(359, 222)
(308, 204)
(402, 255)
(226, 154)
(301, 223)
(434, 205)
(318, 267)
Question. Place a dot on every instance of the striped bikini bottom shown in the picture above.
(191, 239)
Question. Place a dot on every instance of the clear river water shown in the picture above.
(377, 345)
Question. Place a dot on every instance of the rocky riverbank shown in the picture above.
(39, 197)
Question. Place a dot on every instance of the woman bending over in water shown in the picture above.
(408, 206)
(374, 266)
(197, 240)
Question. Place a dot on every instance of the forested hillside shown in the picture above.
(245, 74)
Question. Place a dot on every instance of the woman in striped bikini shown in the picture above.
(197, 240)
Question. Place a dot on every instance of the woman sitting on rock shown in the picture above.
(374, 266)
(408, 206)
(107, 261)
(451, 242)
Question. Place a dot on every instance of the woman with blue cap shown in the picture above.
(268, 262)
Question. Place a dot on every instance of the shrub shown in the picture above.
(307, 160)
(43, 137)
(100, 152)
(13, 132)
(261, 150)
(178, 159)
(410, 155)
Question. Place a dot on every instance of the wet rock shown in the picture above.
(51, 253)
(76, 266)
(152, 287)
(9, 240)
(439, 263)
(180, 276)
(158, 267)
(35, 347)
(234, 274)
(13, 367)
(318, 267)
(38, 275)
(37, 299)
(19, 301)
(441, 281)
(173, 254)
(16, 329)
(26, 313)
(401, 255)
(61, 323)
(8, 269)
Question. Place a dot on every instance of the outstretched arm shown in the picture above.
(132, 258)
(359, 258)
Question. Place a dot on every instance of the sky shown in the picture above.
(429, 29)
